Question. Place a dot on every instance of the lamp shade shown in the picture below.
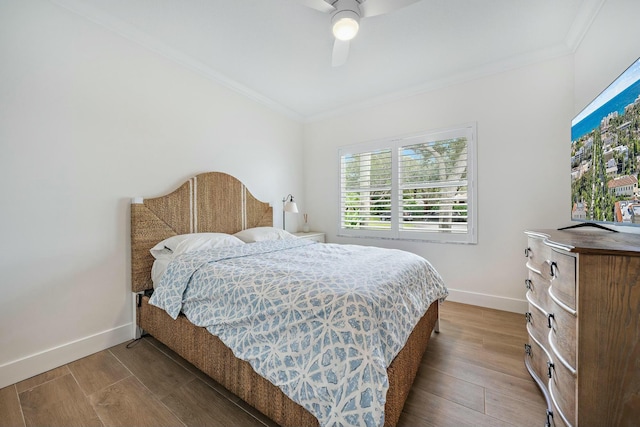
(290, 207)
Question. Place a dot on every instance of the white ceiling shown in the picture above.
(278, 52)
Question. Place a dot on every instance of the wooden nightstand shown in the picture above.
(311, 235)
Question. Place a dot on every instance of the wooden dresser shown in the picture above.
(583, 350)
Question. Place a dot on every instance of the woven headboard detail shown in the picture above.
(209, 202)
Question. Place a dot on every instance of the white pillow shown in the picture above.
(259, 234)
(159, 267)
(184, 243)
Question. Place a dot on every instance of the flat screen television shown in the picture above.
(605, 154)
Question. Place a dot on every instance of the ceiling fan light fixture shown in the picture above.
(345, 24)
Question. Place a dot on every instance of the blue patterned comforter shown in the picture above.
(320, 321)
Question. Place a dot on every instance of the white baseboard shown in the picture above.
(34, 364)
(489, 301)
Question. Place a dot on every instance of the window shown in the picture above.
(418, 187)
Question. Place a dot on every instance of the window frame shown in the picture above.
(468, 130)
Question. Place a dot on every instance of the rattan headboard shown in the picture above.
(209, 202)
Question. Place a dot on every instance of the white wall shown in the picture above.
(523, 118)
(88, 120)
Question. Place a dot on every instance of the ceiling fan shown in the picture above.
(345, 19)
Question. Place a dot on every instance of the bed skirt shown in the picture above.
(206, 352)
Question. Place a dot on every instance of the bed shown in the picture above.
(215, 202)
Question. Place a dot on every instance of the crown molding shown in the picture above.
(488, 69)
(582, 23)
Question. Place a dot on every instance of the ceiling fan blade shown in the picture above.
(320, 5)
(379, 7)
(340, 53)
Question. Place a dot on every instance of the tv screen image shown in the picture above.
(605, 154)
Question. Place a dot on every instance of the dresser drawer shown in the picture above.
(562, 387)
(562, 337)
(537, 254)
(538, 358)
(537, 324)
(562, 269)
(537, 289)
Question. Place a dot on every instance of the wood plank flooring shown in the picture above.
(472, 375)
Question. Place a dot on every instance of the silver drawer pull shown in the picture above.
(549, 418)
(527, 316)
(553, 267)
(549, 317)
(549, 369)
(528, 283)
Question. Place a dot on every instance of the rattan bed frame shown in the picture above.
(217, 202)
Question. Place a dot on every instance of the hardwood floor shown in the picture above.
(472, 375)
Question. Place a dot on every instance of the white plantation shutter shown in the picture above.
(366, 190)
(418, 187)
(433, 186)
